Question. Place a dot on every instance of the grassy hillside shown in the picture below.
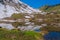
(52, 18)
(54, 8)
(19, 35)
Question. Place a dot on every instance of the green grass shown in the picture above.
(32, 33)
(18, 35)
(17, 16)
(51, 8)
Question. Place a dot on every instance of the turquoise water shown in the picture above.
(52, 36)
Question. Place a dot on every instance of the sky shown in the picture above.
(40, 3)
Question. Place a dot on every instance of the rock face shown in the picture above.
(8, 7)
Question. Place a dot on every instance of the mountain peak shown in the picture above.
(3, 1)
(8, 7)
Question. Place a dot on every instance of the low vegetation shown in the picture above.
(54, 8)
(17, 16)
(19, 35)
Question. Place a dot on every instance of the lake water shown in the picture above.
(28, 27)
(7, 26)
(52, 36)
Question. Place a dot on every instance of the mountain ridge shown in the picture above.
(52, 8)
(8, 7)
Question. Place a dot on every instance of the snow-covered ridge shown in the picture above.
(8, 7)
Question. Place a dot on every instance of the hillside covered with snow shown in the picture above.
(8, 7)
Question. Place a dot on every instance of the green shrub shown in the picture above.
(17, 16)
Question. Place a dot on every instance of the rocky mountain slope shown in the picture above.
(8, 7)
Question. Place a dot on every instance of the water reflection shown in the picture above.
(29, 27)
(7, 26)
(25, 26)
